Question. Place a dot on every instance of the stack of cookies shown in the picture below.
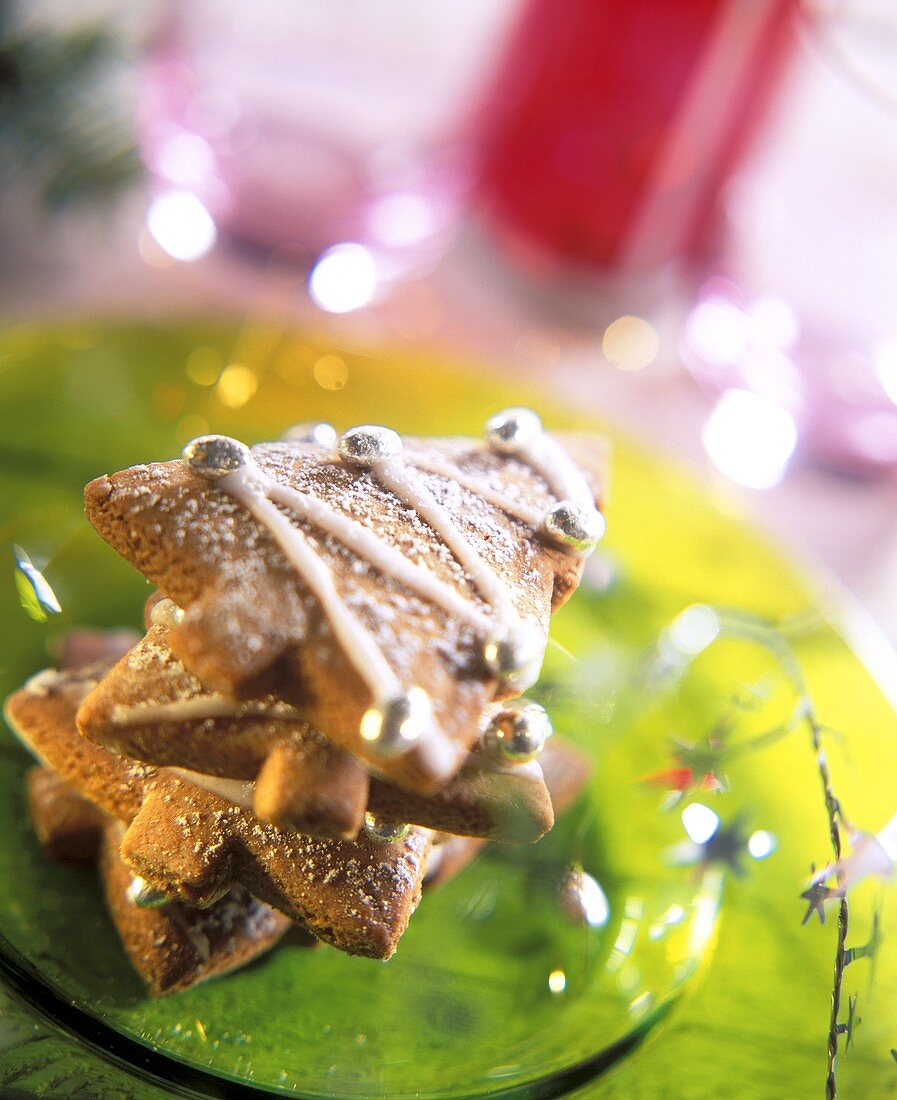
(326, 707)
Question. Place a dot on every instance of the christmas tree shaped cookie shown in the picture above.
(150, 707)
(172, 946)
(388, 591)
(189, 844)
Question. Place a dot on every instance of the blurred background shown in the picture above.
(681, 214)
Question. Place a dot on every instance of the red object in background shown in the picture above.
(614, 124)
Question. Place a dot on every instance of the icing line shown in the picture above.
(404, 482)
(383, 557)
(564, 477)
(197, 709)
(515, 509)
(354, 638)
(238, 791)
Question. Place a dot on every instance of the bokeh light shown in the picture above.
(191, 426)
(204, 365)
(630, 343)
(402, 219)
(701, 823)
(717, 330)
(186, 160)
(750, 439)
(344, 278)
(557, 981)
(181, 226)
(331, 372)
(694, 629)
(773, 323)
(762, 844)
(236, 386)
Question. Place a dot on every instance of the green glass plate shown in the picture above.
(495, 990)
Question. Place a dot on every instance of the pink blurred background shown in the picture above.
(679, 213)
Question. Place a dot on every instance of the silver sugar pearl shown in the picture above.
(165, 612)
(144, 896)
(577, 529)
(511, 429)
(515, 654)
(368, 445)
(313, 431)
(216, 456)
(518, 731)
(392, 728)
(387, 832)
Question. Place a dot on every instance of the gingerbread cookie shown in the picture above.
(193, 845)
(151, 708)
(387, 591)
(566, 771)
(173, 946)
(67, 825)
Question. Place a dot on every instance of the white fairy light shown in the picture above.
(181, 225)
(701, 823)
(761, 844)
(557, 981)
(402, 219)
(630, 343)
(750, 439)
(185, 160)
(694, 629)
(344, 278)
(717, 330)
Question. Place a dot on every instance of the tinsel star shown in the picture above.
(816, 895)
(867, 950)
(853, 1022)
(727, 845)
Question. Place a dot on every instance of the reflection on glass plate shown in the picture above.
(538, 968)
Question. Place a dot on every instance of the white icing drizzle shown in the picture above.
(242, 791)
(383, 557)
(250, 485)
(564, 477)
(515, 509)
(238, 791)
(197, 709)
(402, 480)
(237, 473)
